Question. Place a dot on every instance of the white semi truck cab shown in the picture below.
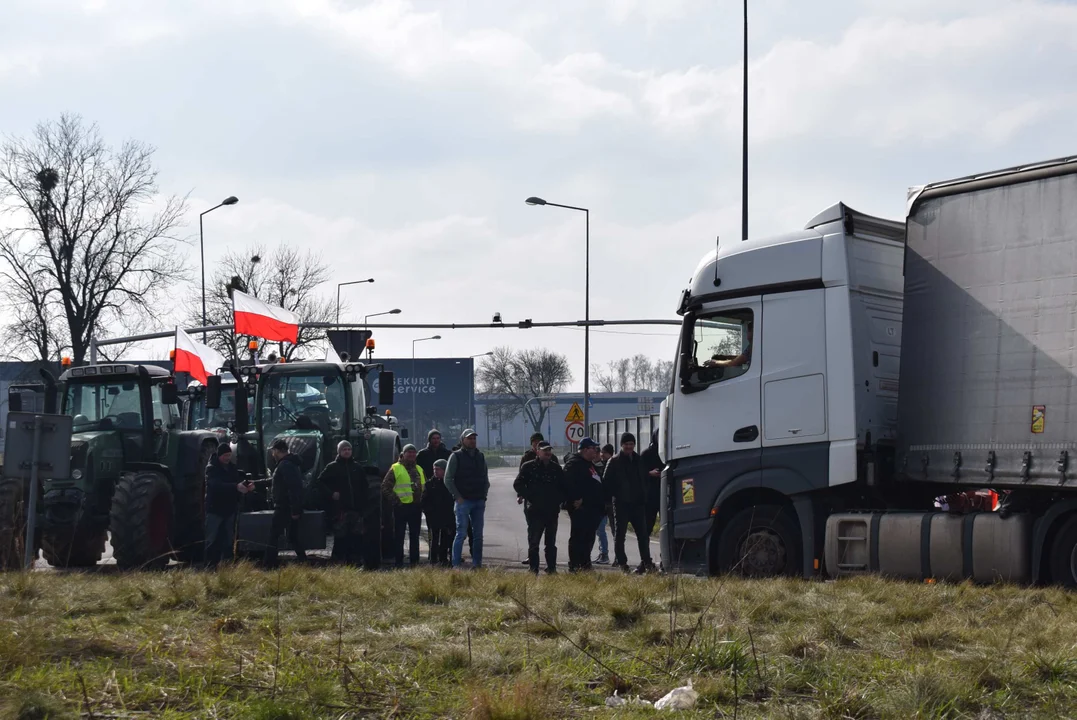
(790, 449)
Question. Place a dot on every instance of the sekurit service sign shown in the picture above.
(439, 388)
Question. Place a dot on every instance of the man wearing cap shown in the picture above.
(287, 502)
(434, 450)
(541, 483)
(224, 487)
(402, 487)
(469, 482)
(440, 516)
(345, 482)
(625, 482)
(586, 503)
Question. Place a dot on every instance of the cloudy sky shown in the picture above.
(399, 138)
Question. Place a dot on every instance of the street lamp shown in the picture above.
(230, 200)
(414, 419)
(586, 303)
(394, 311)
(340, 285)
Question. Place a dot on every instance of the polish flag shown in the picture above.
(254, 317)
(198, 360)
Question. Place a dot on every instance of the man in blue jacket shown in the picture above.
(224, 487)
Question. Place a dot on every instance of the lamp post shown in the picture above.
(586, 303)
(414, 419)
(230, 200)
(394, 311)
(340, 285)
(471, 412)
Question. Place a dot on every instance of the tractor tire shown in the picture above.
(141, 521)
(760, 541)
(190, 533)
(12, 524)
(80, 549)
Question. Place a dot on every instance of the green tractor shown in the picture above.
(312, 406)
(219, 420)
(135, 473)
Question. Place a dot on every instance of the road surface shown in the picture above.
(504, 536)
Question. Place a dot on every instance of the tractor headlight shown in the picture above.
(76, 474)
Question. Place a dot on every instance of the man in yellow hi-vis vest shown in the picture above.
(403, 489)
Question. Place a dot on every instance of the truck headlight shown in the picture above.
(76, 474)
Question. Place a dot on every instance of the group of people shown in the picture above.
(595, 485)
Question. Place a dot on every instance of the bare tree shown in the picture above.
(635, 374)
(286, 278)
(91, 241)
(520, 376)
(616, 376)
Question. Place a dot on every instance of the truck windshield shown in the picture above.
(103, 406)
(204, 417)
(304, 401)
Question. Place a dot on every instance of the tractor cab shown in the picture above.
(219, 420)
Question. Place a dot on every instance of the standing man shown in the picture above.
(603, 542)
(346, 482)
(440, 516)
(224, 487)
(586, 503)
(652, 465)
(287, 503)
(469, 482)
(541, 483)
(625, 482)
(403, 489)
(434, 450)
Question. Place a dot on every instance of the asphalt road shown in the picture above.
(504, 535)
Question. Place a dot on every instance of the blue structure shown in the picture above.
(432, 393)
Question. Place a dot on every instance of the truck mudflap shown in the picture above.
(984, 546)
(252, 534)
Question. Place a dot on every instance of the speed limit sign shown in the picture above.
(574, 432)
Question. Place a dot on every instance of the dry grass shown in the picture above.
(495, 644)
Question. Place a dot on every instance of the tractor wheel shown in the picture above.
(141, 521)
(191, 511)
(12, 524)
(64, 549)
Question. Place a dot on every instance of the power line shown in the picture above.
(621, 332)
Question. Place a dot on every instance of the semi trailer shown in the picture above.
(833, 381)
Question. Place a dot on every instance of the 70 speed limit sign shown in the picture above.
(574, 432)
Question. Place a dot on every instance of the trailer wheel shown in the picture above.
(1064, 554)
(141, 522)
(12, 523)
(760, 541)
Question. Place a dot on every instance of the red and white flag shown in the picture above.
(198, 360)
(254, 317)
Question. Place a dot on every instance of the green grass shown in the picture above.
(334, 643)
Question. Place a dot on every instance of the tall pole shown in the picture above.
(744, 140)
(202, 254)
(587, 317)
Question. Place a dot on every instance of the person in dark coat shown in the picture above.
(287, 503)
(603, 540)
(541, 483)
(224, 487)
(586, 503)
(468, 479)
(625, 482)
(345, 481)
(440, 515)
(434, 450)
(652, 465)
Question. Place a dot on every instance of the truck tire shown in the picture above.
(141, 521)
(12, 523)
(190, 533)
(760, 541)
(80, 549)
(1064, 554)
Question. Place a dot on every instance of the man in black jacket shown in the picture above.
(541, 483)
(346, 483)
(224, 487)
(440, 515)
(652, 465)
(625, 483)
(434, 450)
(586, 503)
(287, 502)
(468, 479)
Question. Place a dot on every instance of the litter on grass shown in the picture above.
(682, 698)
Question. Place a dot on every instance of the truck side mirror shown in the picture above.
(213, 392)
(169, 394)
(14, 401)
(242, 419)
(386, 388)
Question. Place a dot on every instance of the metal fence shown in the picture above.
(610, 431)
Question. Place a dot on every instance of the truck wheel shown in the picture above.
(82, 548)
(191, 511)
(1064, 554)
(12, 523)
(760, 541)
(141, 521)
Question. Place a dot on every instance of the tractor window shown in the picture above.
(103, 406)
(167, 414)
(204, 417)
(721, 348)
(304, 401)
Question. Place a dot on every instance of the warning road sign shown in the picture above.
(574, 432)
(575, 414)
